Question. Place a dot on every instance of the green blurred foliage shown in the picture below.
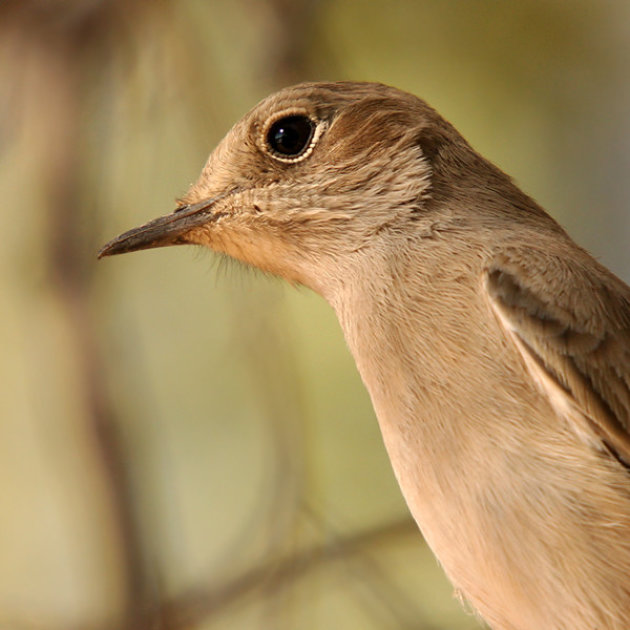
(185, 443)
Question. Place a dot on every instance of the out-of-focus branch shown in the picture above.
(199, 603)
(60, 41)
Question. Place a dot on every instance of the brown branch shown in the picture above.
(63, 46)
(200, 603)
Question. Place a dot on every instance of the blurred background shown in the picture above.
(185, 443)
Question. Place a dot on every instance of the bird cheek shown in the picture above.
(231, 232)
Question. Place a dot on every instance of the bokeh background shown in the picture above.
(185, 443)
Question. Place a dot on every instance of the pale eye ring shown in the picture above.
(290, 137)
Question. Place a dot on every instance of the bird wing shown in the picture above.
(571, 325)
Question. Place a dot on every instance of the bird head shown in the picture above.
(311, 176)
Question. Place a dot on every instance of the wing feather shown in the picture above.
(580, 360)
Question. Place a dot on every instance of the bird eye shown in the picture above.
(290, 136)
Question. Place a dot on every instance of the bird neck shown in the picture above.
(407, 313)
(409, 320)
(397, 300)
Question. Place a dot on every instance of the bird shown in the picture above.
(496, 351)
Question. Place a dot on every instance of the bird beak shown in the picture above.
(171, 229)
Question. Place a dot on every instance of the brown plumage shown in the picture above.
(496, 351)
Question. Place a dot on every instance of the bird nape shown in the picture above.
(495, 350)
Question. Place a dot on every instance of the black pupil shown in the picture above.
(291, 135)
